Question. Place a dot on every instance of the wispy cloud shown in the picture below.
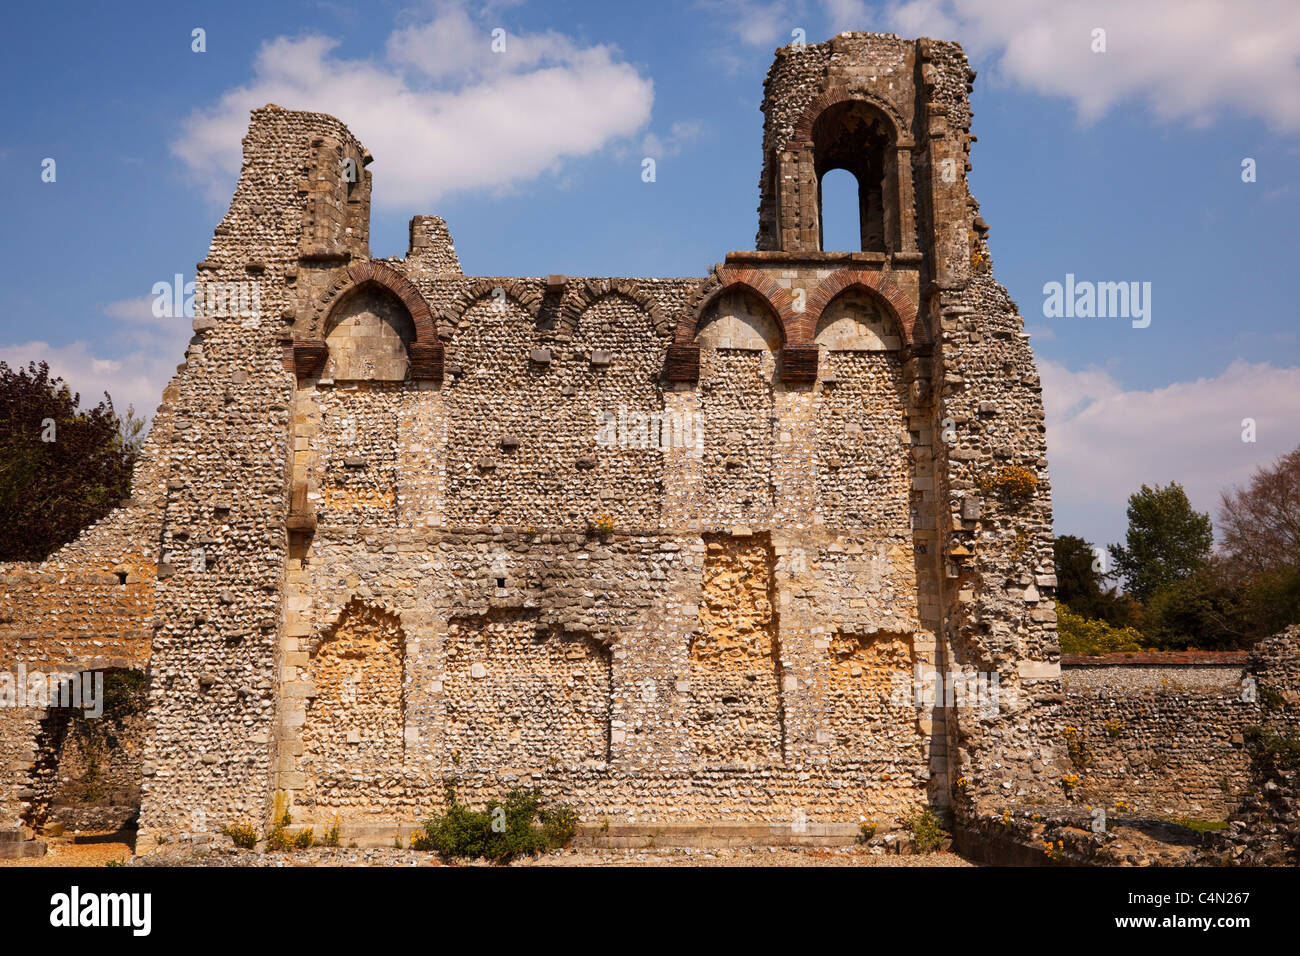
(1186, 60)
(679, 136)
(148, 350)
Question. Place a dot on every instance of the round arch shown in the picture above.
(879, 286)
(729, 280)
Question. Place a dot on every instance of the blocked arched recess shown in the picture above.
(357, 664)
(876, 285)
(424, 353)
(448, 318)
(799, 351)
(730, 280)
(369, 332)
(593, 291)
(737, 318)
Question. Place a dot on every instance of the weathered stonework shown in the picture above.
(1161, 734)
(669, 550)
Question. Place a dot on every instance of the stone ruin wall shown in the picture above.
(664, 549)
(380, 545)
(709, 710)
(87, 607)
(1163, 734)
(688, 649)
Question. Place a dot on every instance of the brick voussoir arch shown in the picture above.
(803, 128)
(592, 291)
(878, 285)
(360, 273)
(425, 353)
(528, 297)
(724, 280)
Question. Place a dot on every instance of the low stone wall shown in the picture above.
(1160, 733)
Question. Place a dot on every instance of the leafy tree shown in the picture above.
(1076, 579)
(1204, 610)
(1166, 540)
(1260, 551)
(1271, 601)
(61, 467)
(1080, 584)
(1260, 523)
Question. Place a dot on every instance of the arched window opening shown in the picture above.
(841, 219)
(852, 136)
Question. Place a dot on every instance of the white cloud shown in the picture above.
(1104, 442)
(1184, 59)
(848, 15)
(760, 24)
(442, 112)
(136, 376)
(134, 310)
(1187, 60)
(136, 379)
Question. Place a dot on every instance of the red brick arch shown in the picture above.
(362, 273)
(524, 294)
(591, 291)
(425, 353)
(878, 285)
(727, 280)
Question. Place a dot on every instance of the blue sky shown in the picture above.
(1115, 166)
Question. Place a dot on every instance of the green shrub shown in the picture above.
(244, 835)
(499, 832)
(1079, 755)
(1015, 482)
(1082, 635)
(926, 832)
(1273, 751)
(559, 824)
(279, 838)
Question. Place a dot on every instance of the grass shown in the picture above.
(1199, 826)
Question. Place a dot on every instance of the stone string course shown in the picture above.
(669, 550)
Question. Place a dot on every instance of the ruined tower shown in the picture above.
(673, 551)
